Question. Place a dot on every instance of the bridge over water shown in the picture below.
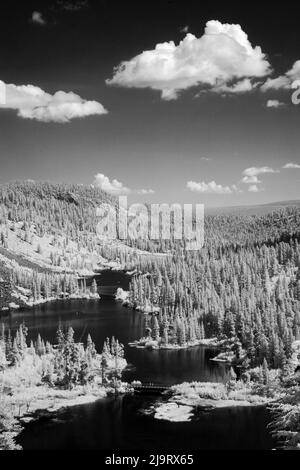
(109, 281)
(108, 291)
(150, 388)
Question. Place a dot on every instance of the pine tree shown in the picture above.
(60, 337)
(94, 287)
(155, 329)
(265, 372)
(90, 349)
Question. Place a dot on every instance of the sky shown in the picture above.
(163, 101)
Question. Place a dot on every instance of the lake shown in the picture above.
(121, 422)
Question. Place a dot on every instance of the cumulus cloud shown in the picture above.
(255, 171)
(294, 73)
(116, 187)
(242, 86)
(31, 102)
(250, 177)
(253, 188)
(223, 54)
(110, 186)
(38, 18)
(294, 166)
(253, 179)
(283, 82)
(211, 187)
(2, 93)
(144, 192)
(274, 104)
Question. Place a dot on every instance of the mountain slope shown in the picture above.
(260, 209)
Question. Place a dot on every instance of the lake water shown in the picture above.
(120, 423)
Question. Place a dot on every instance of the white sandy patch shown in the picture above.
(121, 294)
(174, 412)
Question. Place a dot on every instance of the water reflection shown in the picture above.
(119, 423)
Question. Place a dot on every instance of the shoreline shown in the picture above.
(52, 402)
(149, 343)
(152, 344)
(175, 411)
(189, 397)
(24, 304)
(30, 305)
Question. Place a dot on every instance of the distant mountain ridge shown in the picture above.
(259, 209)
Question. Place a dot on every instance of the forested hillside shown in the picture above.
(243, 286)
(48, 240)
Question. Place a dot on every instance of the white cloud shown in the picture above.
(38, 18)
(251, 179)
(294, 73)
(278, 83)
(283, 82)
(110, 186)
(291, 166)
(31, 102)
(116, 187)
(254, 189)
(255, 171)
(2, 93)
(223, 54)
(145, 191)
(274, 104)
(211, 187)
(242, 86)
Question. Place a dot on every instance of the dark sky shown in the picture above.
(145, 141)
